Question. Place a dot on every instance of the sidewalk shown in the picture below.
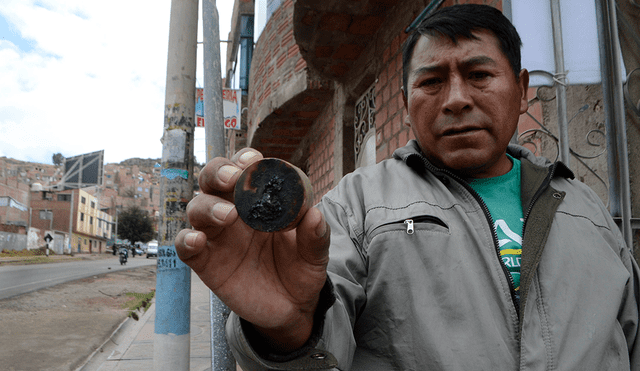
(131, 346)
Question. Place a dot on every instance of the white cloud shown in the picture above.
(94, 80)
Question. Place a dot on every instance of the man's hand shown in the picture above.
(271, 280)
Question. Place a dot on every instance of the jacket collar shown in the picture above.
(411, 152)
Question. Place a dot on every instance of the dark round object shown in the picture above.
(272, 195)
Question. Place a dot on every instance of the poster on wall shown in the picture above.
(231, 108)
(199, 107)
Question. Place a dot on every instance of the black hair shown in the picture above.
(460, 21)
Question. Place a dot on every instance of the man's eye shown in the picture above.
(479, 75)
(430, 82)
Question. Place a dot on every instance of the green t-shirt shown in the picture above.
(502, 196)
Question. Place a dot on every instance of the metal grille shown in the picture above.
(364, 120)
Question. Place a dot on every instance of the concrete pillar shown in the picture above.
(171, 347)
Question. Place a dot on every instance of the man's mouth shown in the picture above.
(458, 131)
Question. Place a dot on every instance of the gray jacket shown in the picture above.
(419, 284)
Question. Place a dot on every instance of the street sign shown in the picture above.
(47, 237)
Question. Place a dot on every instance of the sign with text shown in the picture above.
(231, 108)
(199, 107)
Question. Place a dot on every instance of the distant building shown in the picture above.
(52, 211)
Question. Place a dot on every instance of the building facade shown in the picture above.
(324, 91)
(52, 212)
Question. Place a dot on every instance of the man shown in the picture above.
(460, 253)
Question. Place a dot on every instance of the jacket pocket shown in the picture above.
(410, 226)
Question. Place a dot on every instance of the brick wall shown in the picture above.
(321, 152)
(391, 132)
(280, 60)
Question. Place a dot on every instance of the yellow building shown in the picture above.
(93, 227)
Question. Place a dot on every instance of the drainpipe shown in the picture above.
(618, 158)
(221, 356)
(171, 345)
(560, 83)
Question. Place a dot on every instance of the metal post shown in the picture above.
(50, 214)
(221, 356)
(171, 346)
(560, 82)
(71, 223)
(618, 160)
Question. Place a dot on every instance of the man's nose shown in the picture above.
(457, 97)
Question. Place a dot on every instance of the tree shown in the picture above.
(58, 159)
(134, 224)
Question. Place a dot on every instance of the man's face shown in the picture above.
(463, 103)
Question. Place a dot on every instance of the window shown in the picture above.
(93, 204)
(365, 129)
(46, 214)
(64, 198)
(82, 217)
(83, 200)
(90, 220)
(246, 49)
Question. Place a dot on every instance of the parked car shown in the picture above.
(152, 249)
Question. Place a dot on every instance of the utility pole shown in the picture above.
(171, 346)
(221, 357)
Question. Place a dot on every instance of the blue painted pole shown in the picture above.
(171, 345)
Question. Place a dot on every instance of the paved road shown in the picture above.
(20, 279)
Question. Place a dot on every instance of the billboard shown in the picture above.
(83, 171)
(231, 108)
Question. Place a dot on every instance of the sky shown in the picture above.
(79, 76)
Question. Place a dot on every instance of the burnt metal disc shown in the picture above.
(272, 195)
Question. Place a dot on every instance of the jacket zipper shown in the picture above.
(411, 222)
(537, 195)
(487, 214)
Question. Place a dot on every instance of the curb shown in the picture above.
(129, 329)
(109, 338)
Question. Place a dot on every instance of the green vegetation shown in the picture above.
(22, 257)
(138, 302)
(134, 224)
(23, 253)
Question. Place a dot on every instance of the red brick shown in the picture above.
(281, 59)
(397, 124)
(385, 54)
(282, 27)
(287, 39)
(365, 25)
(280, 140)
(324, 51)
(403, 137)
(334, 22)
(293, 50)
(395, 45)
(348, 52)
(339, 69)
(384, 76)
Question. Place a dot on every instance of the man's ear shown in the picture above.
(407, 120)
(523, 82)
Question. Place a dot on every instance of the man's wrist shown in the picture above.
(284, 345)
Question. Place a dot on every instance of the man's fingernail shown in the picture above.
(226, 172)
(247, 156)
(321, 229)
(221, 210)
(190, 239)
